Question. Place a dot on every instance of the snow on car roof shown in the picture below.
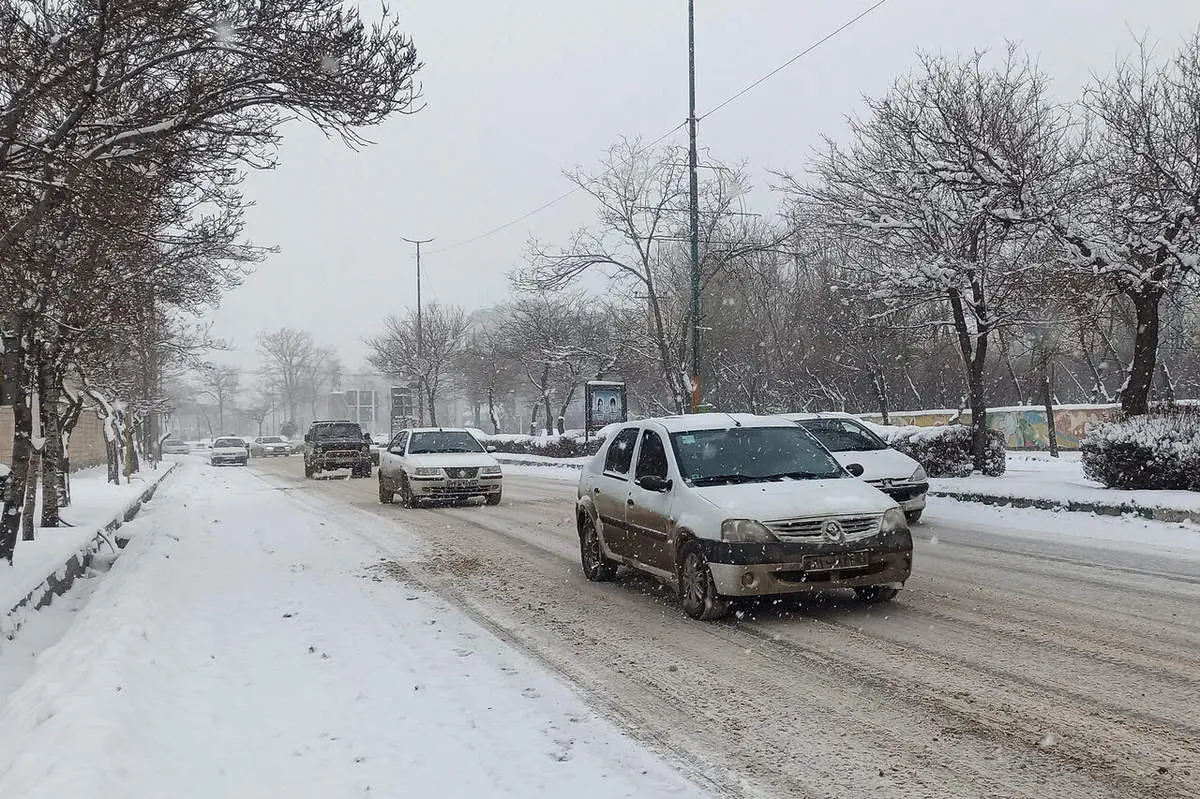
(713, 421)
(439, 430)
(804, 417)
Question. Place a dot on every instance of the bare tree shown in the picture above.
(222, 383)
(936, 190)
(395, 352)
(486, 370)
(1135, 224)
(288, 355)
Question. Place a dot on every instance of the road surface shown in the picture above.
(1007, 668)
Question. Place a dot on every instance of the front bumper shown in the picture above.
(341, 459)
(217, 460)
(909, 496)
(442, 488)
(778, 568)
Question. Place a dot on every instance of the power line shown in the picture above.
(792, 60)
(669, 133)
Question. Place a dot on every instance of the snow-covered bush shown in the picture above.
(1160, 451)
(944, 450)
(568, 445)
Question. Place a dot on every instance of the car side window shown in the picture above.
(620, 452)
(399, 442)
(652, 457)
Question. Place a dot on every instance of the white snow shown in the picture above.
(252, 644)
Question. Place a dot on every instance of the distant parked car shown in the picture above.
(173, 446)
(851, 441)
(229, 450)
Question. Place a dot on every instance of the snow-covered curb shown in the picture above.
(60, 555)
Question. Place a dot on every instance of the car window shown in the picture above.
(620, 452)
(327, 432)
(437, 441)
(229, 442)
(398, 442)
(652, 457)
(751, 454)
(843, 435)
(272, 440)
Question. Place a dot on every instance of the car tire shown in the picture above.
(697, 592)
(596, 567)
(407, 500)
(875, 594)
(492, 499)
(308, 471)
(386, 496)
(913, 516)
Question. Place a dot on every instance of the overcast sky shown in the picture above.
(518, 90)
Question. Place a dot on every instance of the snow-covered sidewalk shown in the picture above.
(250, 645)
(96, 505)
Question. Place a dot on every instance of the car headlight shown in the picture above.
(426, 471)
(919, 476)
(490, 471)
(746, 531)
(894, 521)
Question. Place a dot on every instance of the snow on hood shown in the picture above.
(452, 459)
(880, 464)
(790, 499)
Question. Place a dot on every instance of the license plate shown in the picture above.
(842, 560)
(462, 483)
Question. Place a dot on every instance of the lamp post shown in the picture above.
(420, 335)
(693, 205)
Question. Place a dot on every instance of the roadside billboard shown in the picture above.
(604, 404)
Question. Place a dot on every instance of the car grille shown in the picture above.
(462, 473)
(811, 527)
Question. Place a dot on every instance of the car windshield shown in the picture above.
(329, 432)
(229, 442)
(843, 435)
(272, 440)
(443, 441)
(751, 454)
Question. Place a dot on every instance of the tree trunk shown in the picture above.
(52, 451)
(549, 414)
(14, 494)
(882, 395)
(972, 345)
(1135, 394)
(491, 401)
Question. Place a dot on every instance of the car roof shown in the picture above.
(807, 417)
(438, 430)
(712, 421)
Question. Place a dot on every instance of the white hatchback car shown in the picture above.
(438, 464)
(728, 505)
(851, 441)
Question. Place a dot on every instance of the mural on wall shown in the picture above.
(1023, 428)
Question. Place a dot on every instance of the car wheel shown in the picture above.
(308, 471)
(913, 516)
(697, 592)
(492, 499)
(386, 496)
(596, 567)
(407, 500)
(876, 593)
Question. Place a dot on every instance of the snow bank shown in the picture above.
(943, 450)
(249, 645)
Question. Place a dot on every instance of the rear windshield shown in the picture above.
(843, 435)
(229, 442)
(272, 440)
(328, 432)
(443, 441)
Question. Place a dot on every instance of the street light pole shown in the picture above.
(694, 205)
(420, 336)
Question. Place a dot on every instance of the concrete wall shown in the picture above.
(87, 441)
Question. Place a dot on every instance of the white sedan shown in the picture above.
(438, 464)
(229, 450)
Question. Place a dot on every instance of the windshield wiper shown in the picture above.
(712, 479)
(798, 476)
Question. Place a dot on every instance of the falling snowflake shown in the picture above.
(223, 32)
(330, 65)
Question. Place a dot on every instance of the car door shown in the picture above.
(611, 490)
(391, 462)
(648, 512)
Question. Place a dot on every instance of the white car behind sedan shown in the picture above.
(229, 450)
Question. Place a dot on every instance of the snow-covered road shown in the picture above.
(248, 646)
(1034, 654)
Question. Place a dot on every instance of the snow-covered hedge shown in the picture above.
(1160, 451)
(568, 445)
(944, 450)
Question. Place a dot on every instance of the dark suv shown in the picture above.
(336, 444)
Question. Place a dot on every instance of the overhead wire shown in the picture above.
(823, 40)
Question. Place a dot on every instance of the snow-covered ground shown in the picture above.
(250, 645)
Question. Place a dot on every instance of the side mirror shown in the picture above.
(367, 437)
(491, 447)
(855, 469)
(653, 482)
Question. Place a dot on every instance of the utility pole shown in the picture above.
(420, 337)
(694, 203)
